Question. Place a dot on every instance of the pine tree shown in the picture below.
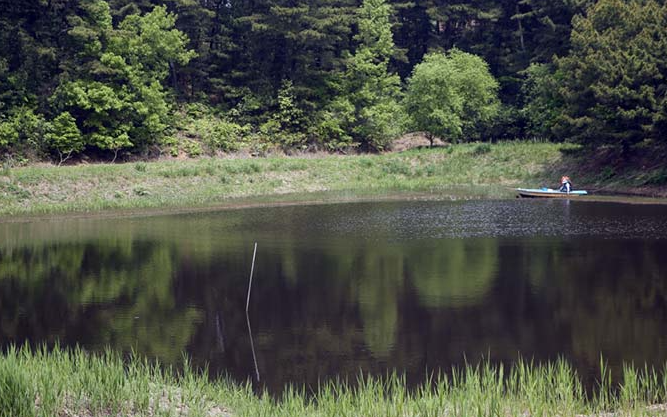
(368, 103)
(30, 43)
(302, 41)
(615, 77)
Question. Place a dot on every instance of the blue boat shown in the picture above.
(548, 193)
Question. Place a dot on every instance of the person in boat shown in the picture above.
(565, 184)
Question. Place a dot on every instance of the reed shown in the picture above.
(60, 381)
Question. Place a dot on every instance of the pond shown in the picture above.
(339, 289)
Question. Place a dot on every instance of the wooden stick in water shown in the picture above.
(252, 348)
(247, 317)
(252, 268)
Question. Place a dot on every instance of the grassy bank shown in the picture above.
(74, 383)
(206, 181)
(50, 189)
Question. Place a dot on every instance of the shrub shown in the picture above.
(216, 133)
(481, 149)
(224, 135)
(64, 136)
(24, 130)
(191, 148)
(9, 134)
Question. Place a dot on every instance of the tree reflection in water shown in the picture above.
(329, 301)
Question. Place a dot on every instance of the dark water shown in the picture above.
(344, 288)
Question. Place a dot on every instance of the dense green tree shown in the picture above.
(367, 107)
(31, 41)
(615, 77)
(544, 26)
(285, 126)
(450, 96)
(542, 102)
(115, 91)
(64, 136)
(508, 34)
(23, 130)
(301, 41)
(412, 31)
(293, 72)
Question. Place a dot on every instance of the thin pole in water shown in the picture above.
(252, 268)
(247, 317)
(252, 348)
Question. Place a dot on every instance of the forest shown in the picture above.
(122, 78)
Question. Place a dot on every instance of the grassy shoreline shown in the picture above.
(209, 182)
(76, 383)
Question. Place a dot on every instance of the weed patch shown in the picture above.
(396, 167)
(243, 168)
(481, 149)
(182, 172)
(141, 191)
(15, 190)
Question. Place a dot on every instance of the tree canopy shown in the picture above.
(119, 76)
(614, 81)
(451, 95)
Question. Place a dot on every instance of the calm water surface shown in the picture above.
(414, 286)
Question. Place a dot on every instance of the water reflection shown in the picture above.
(412, 286)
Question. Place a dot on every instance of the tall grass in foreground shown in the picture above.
(75, 383)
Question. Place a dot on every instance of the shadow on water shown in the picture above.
(412, 286)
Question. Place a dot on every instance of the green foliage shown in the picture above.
(215, 132)
(294, 72)
(192, 148)
(332, 126)
(23, 131)
(77, 382)
(451, 96)
(284, 127)
(289, 116)
(613, 80)
(64, 136)
(9, 135)
(481, 149)
(149, 43)
(508, 124)
(225, 136)
(367, 109)
(543, 103)
(431, 101)
(16, 392)
(116, 94)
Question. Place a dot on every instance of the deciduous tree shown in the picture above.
(115, 91)
(451, 95)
